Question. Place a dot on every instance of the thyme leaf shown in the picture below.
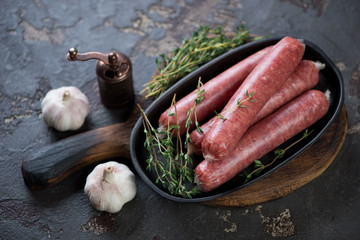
(174, 172)
(239, 104)
(258, 166)
(204, 45)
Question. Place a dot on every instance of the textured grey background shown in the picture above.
(35, 36)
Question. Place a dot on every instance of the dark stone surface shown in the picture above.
(35, 36)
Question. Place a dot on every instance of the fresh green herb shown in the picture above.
(218, 115)
(258, 166)
(239, 104)
(175, 170)
(204, 45)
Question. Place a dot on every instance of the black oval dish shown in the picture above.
(330, 80)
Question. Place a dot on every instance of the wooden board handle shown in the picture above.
(55, 162)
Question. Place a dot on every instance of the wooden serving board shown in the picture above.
(295, 174)
(55, 162)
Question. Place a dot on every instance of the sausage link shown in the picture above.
(265, 79)
(263, 137)
(304, 77)
(217, 92)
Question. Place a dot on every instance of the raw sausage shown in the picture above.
(304, 77)
(217, 92)
(265, 79)
(263, 137)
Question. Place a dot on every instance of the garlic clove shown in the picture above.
(109, 186)
(65, 108)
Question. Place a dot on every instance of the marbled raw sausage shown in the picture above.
(264, 81)
(263, 137)
(217, 92)
(304, 77)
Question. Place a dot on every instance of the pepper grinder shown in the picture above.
(114, 74)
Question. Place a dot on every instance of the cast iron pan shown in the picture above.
(53, 163)
(330, 80)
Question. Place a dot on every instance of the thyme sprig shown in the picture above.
(204, 45)
(239, 104)
(258, 166)
(174, 171)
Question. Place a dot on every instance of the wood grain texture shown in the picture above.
(295, 174)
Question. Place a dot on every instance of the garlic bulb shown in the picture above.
(109, 186)
(65, 108)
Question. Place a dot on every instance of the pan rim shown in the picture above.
(138, 126)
